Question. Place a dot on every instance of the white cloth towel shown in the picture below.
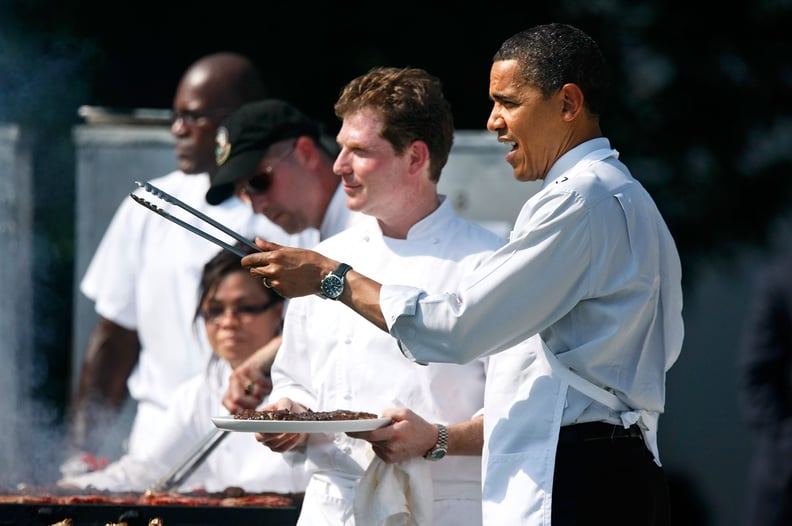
(398, 494)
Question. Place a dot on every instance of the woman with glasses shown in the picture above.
(240, 315)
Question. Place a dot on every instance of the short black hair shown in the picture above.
(555, 54)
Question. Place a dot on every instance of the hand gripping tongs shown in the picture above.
(200, 215)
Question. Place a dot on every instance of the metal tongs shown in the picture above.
(200, 215)
(189, 464)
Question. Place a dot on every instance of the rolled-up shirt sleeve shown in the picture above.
(398, 300)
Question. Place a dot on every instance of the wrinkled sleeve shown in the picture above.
(521, 288)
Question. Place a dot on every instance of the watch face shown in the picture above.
(332, 286)
(436, 454)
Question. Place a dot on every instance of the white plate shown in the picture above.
(229, 423)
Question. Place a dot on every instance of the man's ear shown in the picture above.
(306, 149)
(573, 101)
(419, 155)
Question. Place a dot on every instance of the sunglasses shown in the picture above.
(261, 182)
(215, 314)
(194, 118)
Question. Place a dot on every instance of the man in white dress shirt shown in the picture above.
(580, 313)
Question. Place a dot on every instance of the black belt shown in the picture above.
(597, 431)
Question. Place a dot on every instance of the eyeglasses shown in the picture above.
(244, 313)
(261, 182)
(193, 118)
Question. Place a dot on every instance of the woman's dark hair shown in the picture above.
(220, 266)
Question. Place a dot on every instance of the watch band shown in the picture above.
(332, 286)
(440, 449)
(342, 269)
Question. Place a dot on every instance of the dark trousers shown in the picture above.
(604, 479)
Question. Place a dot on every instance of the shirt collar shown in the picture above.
(435, 224)
(574, 156)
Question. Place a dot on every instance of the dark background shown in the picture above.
(700, 110)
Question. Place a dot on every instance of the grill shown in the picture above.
(135, 515)
(42, 508)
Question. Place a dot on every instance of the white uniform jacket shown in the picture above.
(331, 358)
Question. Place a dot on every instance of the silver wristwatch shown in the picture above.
(440, 449)
(332, 285)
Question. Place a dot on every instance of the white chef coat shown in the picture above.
(144, 276)
(331, 358)
(237, 461)
(593, 270)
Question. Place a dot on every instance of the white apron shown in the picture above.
(524, 403)
(521, 434)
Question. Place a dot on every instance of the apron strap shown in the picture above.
(594, 392)
(646, 420)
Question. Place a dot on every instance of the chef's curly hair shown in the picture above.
(412, 106)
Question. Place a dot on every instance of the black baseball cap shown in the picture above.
(245, 136)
